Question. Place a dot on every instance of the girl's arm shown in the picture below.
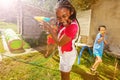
(63, 40)
(60, 42)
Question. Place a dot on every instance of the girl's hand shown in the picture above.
(46, 25)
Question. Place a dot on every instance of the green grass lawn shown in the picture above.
(34, 66)
(4, 25)
(1, 46)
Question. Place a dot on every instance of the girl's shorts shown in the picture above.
(67, 60)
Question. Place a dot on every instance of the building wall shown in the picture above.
(84, 18)
(107, 12)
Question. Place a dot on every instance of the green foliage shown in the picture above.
(83, 4)
(37, 42)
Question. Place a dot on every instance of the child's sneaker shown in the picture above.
(93, 71)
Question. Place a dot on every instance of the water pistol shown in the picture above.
(41, 18)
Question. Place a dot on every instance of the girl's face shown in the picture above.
(63, 15)
(102, 30)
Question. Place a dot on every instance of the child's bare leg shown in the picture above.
(54, 49)
(54, 46)
(97, 62)
(65, 75)
(47, 51)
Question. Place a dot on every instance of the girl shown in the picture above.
(67, 32)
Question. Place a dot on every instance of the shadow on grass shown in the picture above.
(108, 59)
(56, 58)
(107, 72)
(85, 75)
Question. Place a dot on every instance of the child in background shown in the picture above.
(99, 47)
(51, 45)
(65, 39)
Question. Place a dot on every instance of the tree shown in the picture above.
(83, 4)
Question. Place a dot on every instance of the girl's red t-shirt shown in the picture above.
(71, 32)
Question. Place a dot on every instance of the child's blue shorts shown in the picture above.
(97, 54)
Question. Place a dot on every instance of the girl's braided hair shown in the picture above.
(68, 5)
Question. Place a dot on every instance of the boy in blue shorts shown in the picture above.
(98, 47)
